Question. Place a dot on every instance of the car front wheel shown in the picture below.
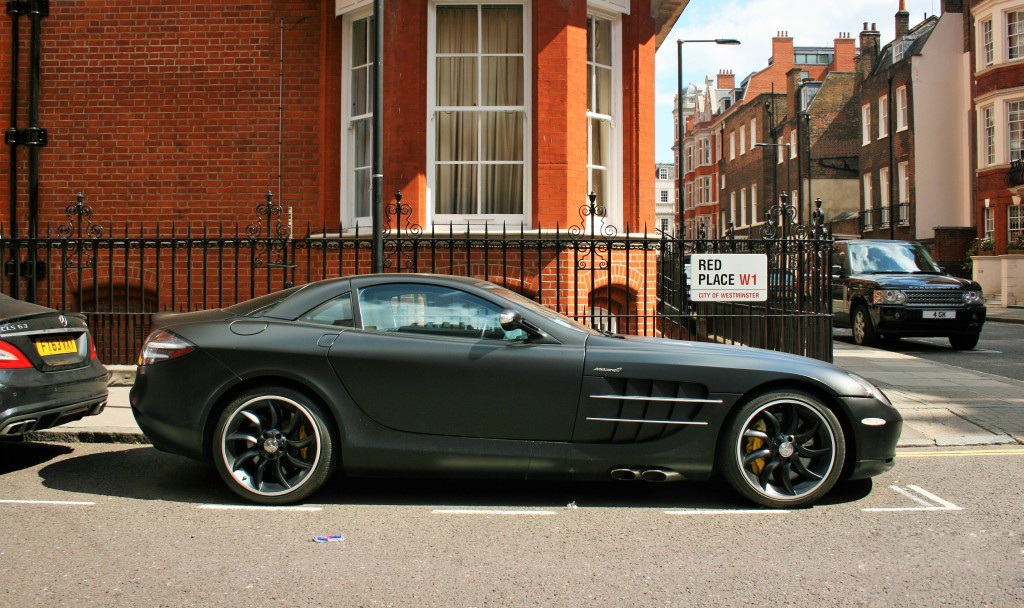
(964, 342)
(783, 449)
(863, 330)
(273, 446)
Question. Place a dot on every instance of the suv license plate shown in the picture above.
(938, 314)
(61, 346)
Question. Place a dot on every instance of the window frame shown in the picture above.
(432, 216)
(1009, 131)
(1012, 232)
(1019, 34)
(986, 39)
(348, 183)
(865, 124)
(613, 208)
(883, 116)
(989, 223)
(902, 109)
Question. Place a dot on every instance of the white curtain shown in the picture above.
(472, 136)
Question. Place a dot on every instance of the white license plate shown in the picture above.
(938, 314)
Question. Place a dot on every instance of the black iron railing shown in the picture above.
(1016, 175)
(632, 283)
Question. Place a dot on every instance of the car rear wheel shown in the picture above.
(964, 342)
(273, 446)
(863, 330)
(783, 449)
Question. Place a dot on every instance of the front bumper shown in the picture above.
(876, 430)
(907, 321)
(31, 400)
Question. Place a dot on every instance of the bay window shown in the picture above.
(478, 140)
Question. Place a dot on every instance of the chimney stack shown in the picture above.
(845, 59)
(902, 20)
(782, 49)
(726, 80)
(869, 45)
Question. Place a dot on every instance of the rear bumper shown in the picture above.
(32, 401)
(906, 321)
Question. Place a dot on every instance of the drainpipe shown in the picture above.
(12, 142)
(35, 137)
(377, 179)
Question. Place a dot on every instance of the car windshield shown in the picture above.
(257, 307)
(891, 258)
(545, 312)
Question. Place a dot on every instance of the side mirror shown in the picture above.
(510, 320)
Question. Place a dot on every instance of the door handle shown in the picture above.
(326, 340)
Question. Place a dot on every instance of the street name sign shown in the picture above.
(729, 277)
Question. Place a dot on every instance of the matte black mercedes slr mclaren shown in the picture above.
(410, 375)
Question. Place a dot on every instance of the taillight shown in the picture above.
(12, 358)
(163, 345)
(92, 349)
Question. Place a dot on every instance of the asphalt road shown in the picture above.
(141, 528)
(1000, 350)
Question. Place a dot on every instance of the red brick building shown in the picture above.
(509, 111)
(761, 143)
(497, 114)
(995, 42)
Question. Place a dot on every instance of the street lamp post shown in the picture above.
(681, 121)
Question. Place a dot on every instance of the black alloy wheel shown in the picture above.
(273, 446)
(863, 330)
(783, 450)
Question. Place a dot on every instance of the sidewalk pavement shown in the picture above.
(942, 405)
(1010, 314)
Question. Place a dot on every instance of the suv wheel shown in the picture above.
(964, 342)
(863, 331)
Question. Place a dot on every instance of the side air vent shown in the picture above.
(621, 410)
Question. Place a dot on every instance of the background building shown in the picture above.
(665, 197)
(914, 134)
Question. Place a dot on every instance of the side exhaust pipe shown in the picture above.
(660, 475)
(626, 474)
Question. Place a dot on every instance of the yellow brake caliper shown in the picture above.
(754, 444)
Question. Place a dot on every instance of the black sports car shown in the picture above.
(403, 374)
(49, 373)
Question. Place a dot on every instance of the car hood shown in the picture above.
(916, 281)
(721, 367)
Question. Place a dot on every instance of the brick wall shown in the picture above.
(159, 111)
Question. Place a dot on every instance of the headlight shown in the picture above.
(972, 297)
(871, 389)
(889, 296)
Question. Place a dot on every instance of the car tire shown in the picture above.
(863, 330)
(964, 342)
(273, 446)
(782, 449)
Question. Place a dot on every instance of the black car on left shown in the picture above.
(49, 371)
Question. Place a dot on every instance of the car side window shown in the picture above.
(431, 310)
(336, 312)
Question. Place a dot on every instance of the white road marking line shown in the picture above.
(919, 501)
(930, 496)
(946, 505)
(1004, 452)
(255, 508)
(725, 511)
(48, 502)
(489, 512)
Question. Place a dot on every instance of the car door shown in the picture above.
(432, 358)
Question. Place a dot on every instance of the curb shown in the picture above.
(88, 436)
(1015, 321)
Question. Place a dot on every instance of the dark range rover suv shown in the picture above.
(892, 289)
